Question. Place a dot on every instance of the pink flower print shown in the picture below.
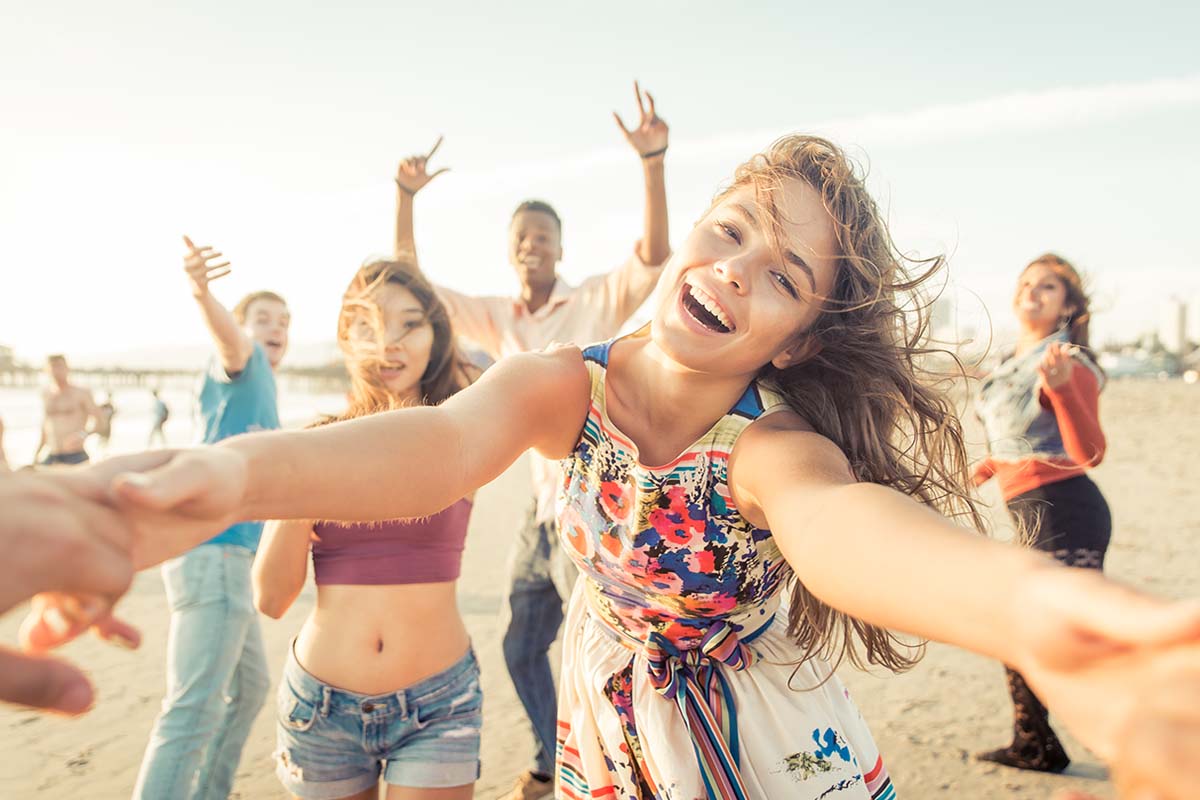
(701, 561)
(615, 501)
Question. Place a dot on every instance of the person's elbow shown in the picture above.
(271, 605)
(274, 601)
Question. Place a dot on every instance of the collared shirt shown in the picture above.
(592, 312)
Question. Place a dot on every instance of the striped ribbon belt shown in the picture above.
(694, 679)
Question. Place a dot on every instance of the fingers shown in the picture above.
(159, 489)
(434, 149)
(621, 124)
(45, 683)
(189, 244)
(650, 98)
(637, 91)
(217, 272)
(119, 632)
(439, 172)
(54, 619)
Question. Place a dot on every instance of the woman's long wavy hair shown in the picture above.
(448, 371)
(868, 387)
(1077, 296)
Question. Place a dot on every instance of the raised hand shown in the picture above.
(198, 263)
(1055, 369)
(412, 175)
(649, 136)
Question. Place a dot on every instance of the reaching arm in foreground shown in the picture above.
(1089, 646)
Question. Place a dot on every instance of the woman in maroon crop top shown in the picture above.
(381, 680)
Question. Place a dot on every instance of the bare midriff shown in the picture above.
(380, 639)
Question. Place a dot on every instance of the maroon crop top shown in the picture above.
(427, 550)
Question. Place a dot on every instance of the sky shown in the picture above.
(271, 130)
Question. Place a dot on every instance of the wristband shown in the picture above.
(403, 189)
(653, 154)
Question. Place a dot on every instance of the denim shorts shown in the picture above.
(333, 743)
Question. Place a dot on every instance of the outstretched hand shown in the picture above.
(198, 263)
(412, 175)
(60, 538)
(649, 136)
(1122, 670)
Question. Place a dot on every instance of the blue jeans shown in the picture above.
(333, 743)
(541, 578)
(217, 677)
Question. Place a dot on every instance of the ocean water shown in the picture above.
(21, 411)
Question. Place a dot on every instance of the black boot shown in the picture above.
(1034, 746)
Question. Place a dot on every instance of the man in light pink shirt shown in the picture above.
(548, 311)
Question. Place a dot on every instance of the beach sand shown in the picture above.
(927, 722)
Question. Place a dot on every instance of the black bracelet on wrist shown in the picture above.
(404, 189)
(653, 154)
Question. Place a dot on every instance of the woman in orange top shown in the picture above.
(1040, 409)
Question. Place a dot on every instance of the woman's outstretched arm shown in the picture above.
(398, 464)
(1084, 642)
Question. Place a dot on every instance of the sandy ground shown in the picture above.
(927, 722)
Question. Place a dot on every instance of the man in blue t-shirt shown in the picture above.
(217, 675)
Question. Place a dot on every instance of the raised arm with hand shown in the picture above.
(203, 265)
(1081, 640)
(412, 176)
(649, 139)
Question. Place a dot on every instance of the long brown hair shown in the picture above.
(448, 371)
(868, 387)
(1077, 295)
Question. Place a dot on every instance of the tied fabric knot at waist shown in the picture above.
(694, 680)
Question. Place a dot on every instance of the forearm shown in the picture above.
(387, 466)
(656, 245)
(405, 243)
(280, 566)
(912, 570)
(233, 347)
(1078, 418)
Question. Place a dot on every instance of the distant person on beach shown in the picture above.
(1040, 410)
(69, 414)
(160, 413)
(547, 311)
(103, 431)
(216, 667)
(4, 467)
(381, 681)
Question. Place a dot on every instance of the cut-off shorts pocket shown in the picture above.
(294, 713)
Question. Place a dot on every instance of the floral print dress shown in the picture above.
(679, 681)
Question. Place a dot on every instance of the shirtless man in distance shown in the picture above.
(68, 411)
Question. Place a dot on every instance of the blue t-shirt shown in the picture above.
(229, 406)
